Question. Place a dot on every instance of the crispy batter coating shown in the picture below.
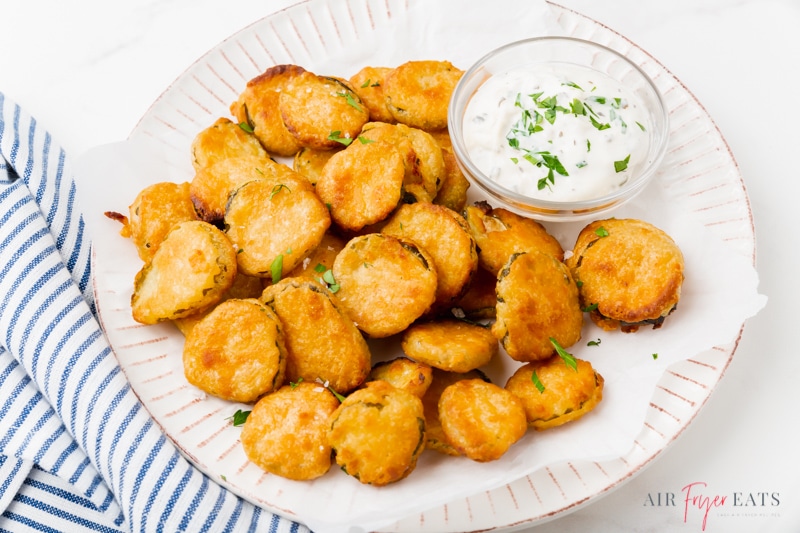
(318, 109)
(454, 186)
(403, 373)
(385, 283)
(443, 234)
(190, 271)
(567, 393)
(378, 433)
(362, 184)
(257, 106)
(309, 162)
(630, 271)
(481, 420)
(500, 233)
(418, 92)
(435, 439)
(262, 219)
(236, 352)
(368, 83)
(154, 211)
(286, 432)
(321, 340)
(536, 300)
(224, 157)
(452, 345)
(244, 286)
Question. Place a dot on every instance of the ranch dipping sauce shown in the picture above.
(557, 132)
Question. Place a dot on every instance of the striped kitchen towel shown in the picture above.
(78, 452)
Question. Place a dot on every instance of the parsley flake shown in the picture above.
(622, 165)
(239, 417)
(568, 358)
(337, 137)
(537, 382)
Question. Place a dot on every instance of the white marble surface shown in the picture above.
(89, 69)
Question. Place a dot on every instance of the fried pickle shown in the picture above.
(377, 433)
(630, 272)
(385, 283)
(236, 352)
(286, 433)
(452, 345)
(481, 420)
(322, 342)
(403, 373)
(537, 304)
(190, 271)
(368, 83)
(418, 92)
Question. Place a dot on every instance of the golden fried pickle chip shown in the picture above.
(537, 301)
(309, 162)
(258, 107)
(321, 111)
(480, 299)
(377, 433)
(362, 184)
(418, 92)
(286, 433)
(403, 373)
(443, 234)
(553, 393)
(454, 186)
(481, 420)
(154, 211)
(322, 342)
(263, 218)
(630, 271)
(368, 83)
(190, 271)
(385, 283)
(225, 156)
(452, 345)
(236, 352)
(500, 233)
(435, 439)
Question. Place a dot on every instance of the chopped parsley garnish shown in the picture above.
(327, 278)
(593, 343)
(537, 382)
(294, 384)
(278, 188)
(568, 358)
(589, 308)
(601, 232)
(276, 268)
(351, 100)
(239, 417)
(246, 127)
(620, 166)
(337, 136)
(655, 356)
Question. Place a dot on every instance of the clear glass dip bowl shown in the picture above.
(530, 54)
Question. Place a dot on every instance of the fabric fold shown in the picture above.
(68, 407)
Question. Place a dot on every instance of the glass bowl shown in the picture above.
(534, 190)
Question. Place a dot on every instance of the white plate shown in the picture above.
(703, 179)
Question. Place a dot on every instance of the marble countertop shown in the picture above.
(88, 70)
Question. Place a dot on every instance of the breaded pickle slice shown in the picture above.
(368, 83)
(630, 271)
(258, 107)
(404, 373)
(309, 162)
(385, 283)
(318, 110)
(154, 211)
(452, 345)
(236, 352)
(224, 156)
(323, 343)
(537, 307)
(435, 439)
(481, 420)
(418, 92)
(286, 433)
(273, 221)
(377, 433)
(362, 184)
(554, 393)
(454, 186)
(443, 234)
(190, 271)
(500, 233)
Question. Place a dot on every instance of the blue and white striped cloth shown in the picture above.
(77, 450)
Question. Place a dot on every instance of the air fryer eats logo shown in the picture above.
(698, 503)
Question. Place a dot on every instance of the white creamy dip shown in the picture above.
(558, 132)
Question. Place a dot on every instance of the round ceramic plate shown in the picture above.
(703, 177)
